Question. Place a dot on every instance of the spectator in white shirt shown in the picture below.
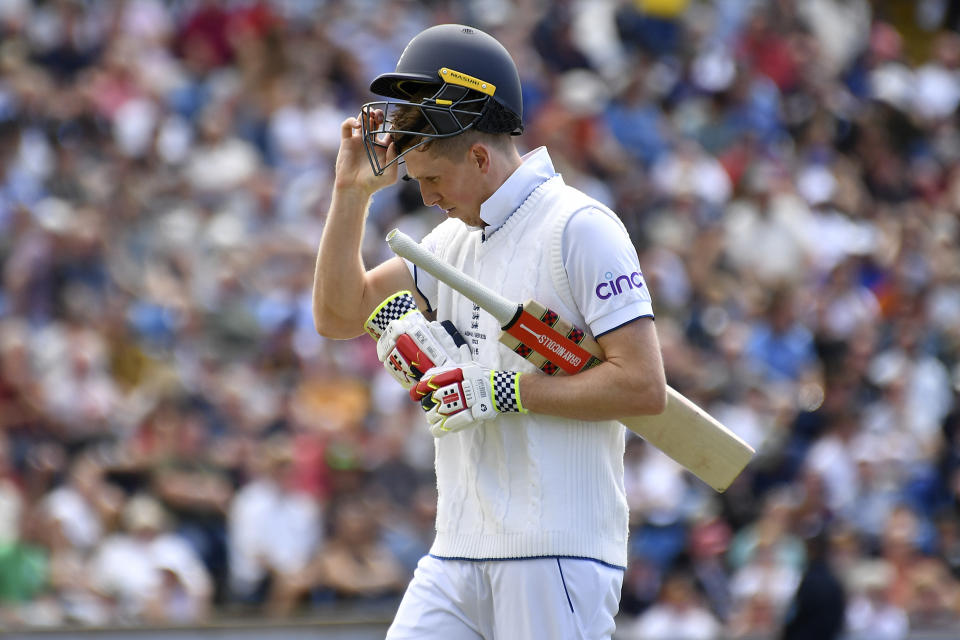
(272, 528)
(677, 614)
(871, 613)
(151, 571)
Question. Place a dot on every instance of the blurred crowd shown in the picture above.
(177, 443)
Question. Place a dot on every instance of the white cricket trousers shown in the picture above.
(523, 599)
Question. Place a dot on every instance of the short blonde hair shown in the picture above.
(410, 118)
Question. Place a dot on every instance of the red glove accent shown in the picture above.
(424, 388)
(418, 360)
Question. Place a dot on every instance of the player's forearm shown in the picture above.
(606, 392)
(338, 280)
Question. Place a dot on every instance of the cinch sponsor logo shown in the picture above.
(614, 287)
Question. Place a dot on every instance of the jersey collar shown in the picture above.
(535, 169)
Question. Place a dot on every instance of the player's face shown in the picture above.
(456, 185)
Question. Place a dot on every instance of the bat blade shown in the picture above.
(684, 432)
(694, 439)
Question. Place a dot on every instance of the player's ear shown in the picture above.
(479, 156)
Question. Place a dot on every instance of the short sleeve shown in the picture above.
(604, 272)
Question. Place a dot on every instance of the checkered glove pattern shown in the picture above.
(393, 308)
(408, 344)
(506, 392)
(461, 396)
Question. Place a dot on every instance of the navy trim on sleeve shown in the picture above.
(623, 324)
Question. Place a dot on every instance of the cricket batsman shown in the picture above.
(532, 520)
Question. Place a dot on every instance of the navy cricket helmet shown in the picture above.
(458, 77)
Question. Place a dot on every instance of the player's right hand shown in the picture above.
(464, 395)
(353, 171)
(408, 344)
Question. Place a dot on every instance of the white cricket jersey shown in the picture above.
(533, 485)
(600, 260)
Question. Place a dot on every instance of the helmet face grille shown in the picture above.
(449, 112)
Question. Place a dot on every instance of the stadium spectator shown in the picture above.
(871, 614)
(677, 613)
(150, 572)
(274, 529)
(353, 565)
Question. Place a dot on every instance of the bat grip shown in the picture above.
(499, 307)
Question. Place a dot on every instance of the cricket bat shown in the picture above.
(684, 432)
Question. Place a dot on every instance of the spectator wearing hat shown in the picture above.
(151, 572)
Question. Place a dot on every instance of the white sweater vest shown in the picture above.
(533, 485)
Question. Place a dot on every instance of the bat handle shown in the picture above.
(496, 305)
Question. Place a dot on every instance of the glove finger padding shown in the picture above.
(404, 360)
(462, 396)
(457, 401)
(409, 344)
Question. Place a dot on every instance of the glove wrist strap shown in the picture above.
(506, 391)
(393, 308)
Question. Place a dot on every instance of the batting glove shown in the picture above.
(461, 396)
(408, 344)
